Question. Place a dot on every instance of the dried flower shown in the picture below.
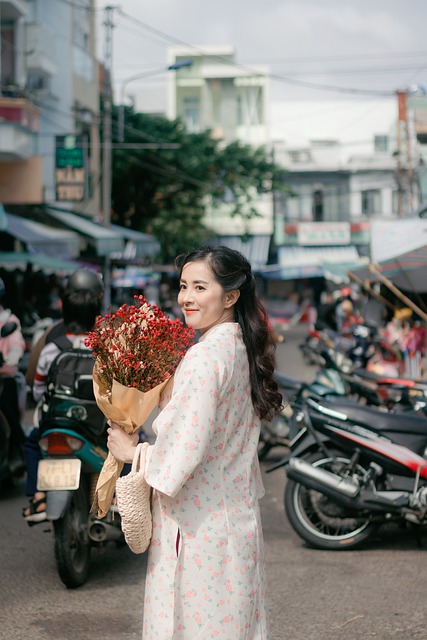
(138, 346)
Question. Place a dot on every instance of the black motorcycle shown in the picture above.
(279, 431)
(352, 469)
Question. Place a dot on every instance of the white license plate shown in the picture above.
(59, 474)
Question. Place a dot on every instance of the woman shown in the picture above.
(206, 575)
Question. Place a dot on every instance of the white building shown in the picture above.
(232, 101)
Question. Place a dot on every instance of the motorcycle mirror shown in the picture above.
(8, 328)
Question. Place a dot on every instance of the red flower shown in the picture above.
(139, 346)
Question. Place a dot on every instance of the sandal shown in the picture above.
(33, 514)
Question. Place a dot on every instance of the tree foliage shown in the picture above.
(164, 178)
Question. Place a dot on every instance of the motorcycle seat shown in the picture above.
(286, 382)
(376, 420)
(380, 378)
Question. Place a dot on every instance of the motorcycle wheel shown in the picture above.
(319, 520)
(72, 546)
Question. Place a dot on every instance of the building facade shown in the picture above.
(48, 88)
(231, 101)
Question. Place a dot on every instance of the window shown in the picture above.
(318, 205)
(192, 114)
(7, 55)
(371, 202)
(381, 143)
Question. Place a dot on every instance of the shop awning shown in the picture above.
(104, 240)
(309, 262)
(11, 260)
(138, 244)
(39, 238)
(338, 273)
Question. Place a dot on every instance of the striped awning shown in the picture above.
(295, 263)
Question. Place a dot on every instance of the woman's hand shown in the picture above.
(121, 444)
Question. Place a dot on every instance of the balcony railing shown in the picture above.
(41, 47)
(19, 124)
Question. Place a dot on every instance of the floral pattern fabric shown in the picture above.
(206, 569)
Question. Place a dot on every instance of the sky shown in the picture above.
(335, 65)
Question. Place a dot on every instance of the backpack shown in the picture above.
(69, 401)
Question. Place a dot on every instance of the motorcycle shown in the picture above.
(389, 393)
(364, 349)
(352, 469)
(68, 474)
(279, 431)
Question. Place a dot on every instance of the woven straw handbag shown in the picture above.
(133, 496)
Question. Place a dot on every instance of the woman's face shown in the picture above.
(202, 299)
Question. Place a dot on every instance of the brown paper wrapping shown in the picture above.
(129, 408)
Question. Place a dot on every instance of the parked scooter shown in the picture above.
(281, 429)
(352, 469)
(365, 346)
(74, 443)
(68, 474)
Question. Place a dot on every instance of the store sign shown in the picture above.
(71, 168)
(323, 233)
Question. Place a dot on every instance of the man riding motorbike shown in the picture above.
(81, 305)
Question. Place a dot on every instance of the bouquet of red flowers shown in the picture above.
(136, 350)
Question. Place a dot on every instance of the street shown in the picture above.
(377, 592)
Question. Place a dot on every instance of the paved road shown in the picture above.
(378, 592)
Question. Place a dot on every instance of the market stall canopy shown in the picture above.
(104, 240)
(309, 262)
(391, 238)
(11, 260)
(407, 271)
(399, 250)
(338, 272)
(39, 238)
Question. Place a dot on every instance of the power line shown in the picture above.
(356, 56)
(273, 76)
(77, 5)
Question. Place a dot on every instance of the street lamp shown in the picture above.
(186, 62)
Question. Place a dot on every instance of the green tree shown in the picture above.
(164, 178)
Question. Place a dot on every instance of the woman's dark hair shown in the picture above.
(233, 271)
(80, 310)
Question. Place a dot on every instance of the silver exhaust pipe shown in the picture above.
(102, 531)
(317, 478)
(345, 491)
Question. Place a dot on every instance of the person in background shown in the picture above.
(373, 310)
(326, 313)
(81, 304)
(206, 567)
(82, 279)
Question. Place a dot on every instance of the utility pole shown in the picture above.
(106, 144)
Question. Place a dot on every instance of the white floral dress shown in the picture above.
(206, 570)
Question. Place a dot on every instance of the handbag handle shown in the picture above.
(138, 461)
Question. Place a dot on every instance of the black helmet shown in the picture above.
(86, 280)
